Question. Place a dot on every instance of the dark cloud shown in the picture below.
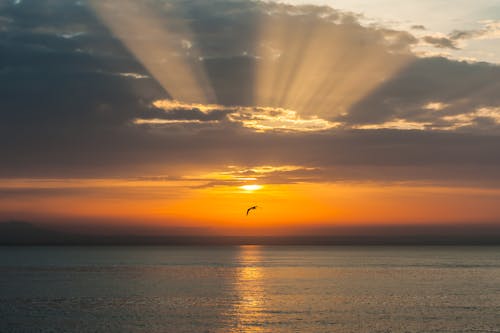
(489, 30)
(463, 34)
(418, 27)
(462, 87)
(388, 155)
(399, 40)
(186, 114)
(441, 42)
(67, 104)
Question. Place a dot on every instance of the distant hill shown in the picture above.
(20, 232)
(25, 233)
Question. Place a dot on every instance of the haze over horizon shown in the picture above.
(179, 115)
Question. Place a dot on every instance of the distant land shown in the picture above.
(25, 233)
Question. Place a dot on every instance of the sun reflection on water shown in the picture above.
(249, 307)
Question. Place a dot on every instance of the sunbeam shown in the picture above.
(162, 43)
(317, 64)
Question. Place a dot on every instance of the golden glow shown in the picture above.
(259, 119)
(397, 124)
(172, 104)
(251, 187)
(156, 121)
(436, 106)
(467, 119)
(281, 168)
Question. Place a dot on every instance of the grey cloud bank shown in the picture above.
(67, 109)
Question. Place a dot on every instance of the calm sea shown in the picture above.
(250, 289)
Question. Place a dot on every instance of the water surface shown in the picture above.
(250, 289)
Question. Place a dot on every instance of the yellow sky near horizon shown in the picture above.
(220, 208)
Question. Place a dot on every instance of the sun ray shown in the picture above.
(326, 67)
(162, 44)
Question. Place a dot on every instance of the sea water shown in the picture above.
(250, 289)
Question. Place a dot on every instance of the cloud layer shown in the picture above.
(305, 86)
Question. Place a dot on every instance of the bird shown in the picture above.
(249, 209)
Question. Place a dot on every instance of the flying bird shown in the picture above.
(249, 209)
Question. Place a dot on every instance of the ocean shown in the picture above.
(250, 289)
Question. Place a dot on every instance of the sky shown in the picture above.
(174, 117)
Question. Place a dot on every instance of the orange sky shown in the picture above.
(220, 209)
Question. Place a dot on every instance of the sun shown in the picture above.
(252, 187)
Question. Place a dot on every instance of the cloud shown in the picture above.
(457, 38)
(428, 90)
(259, 119)
(436, 106)
(171, 110)
(339, 100)
(441, 42)
(238, 176)
(481, 118)
(263, 119)
(418, 27)
(490, 30)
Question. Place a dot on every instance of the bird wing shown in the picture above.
(249, 209)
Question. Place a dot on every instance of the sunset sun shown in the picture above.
(253, 187)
